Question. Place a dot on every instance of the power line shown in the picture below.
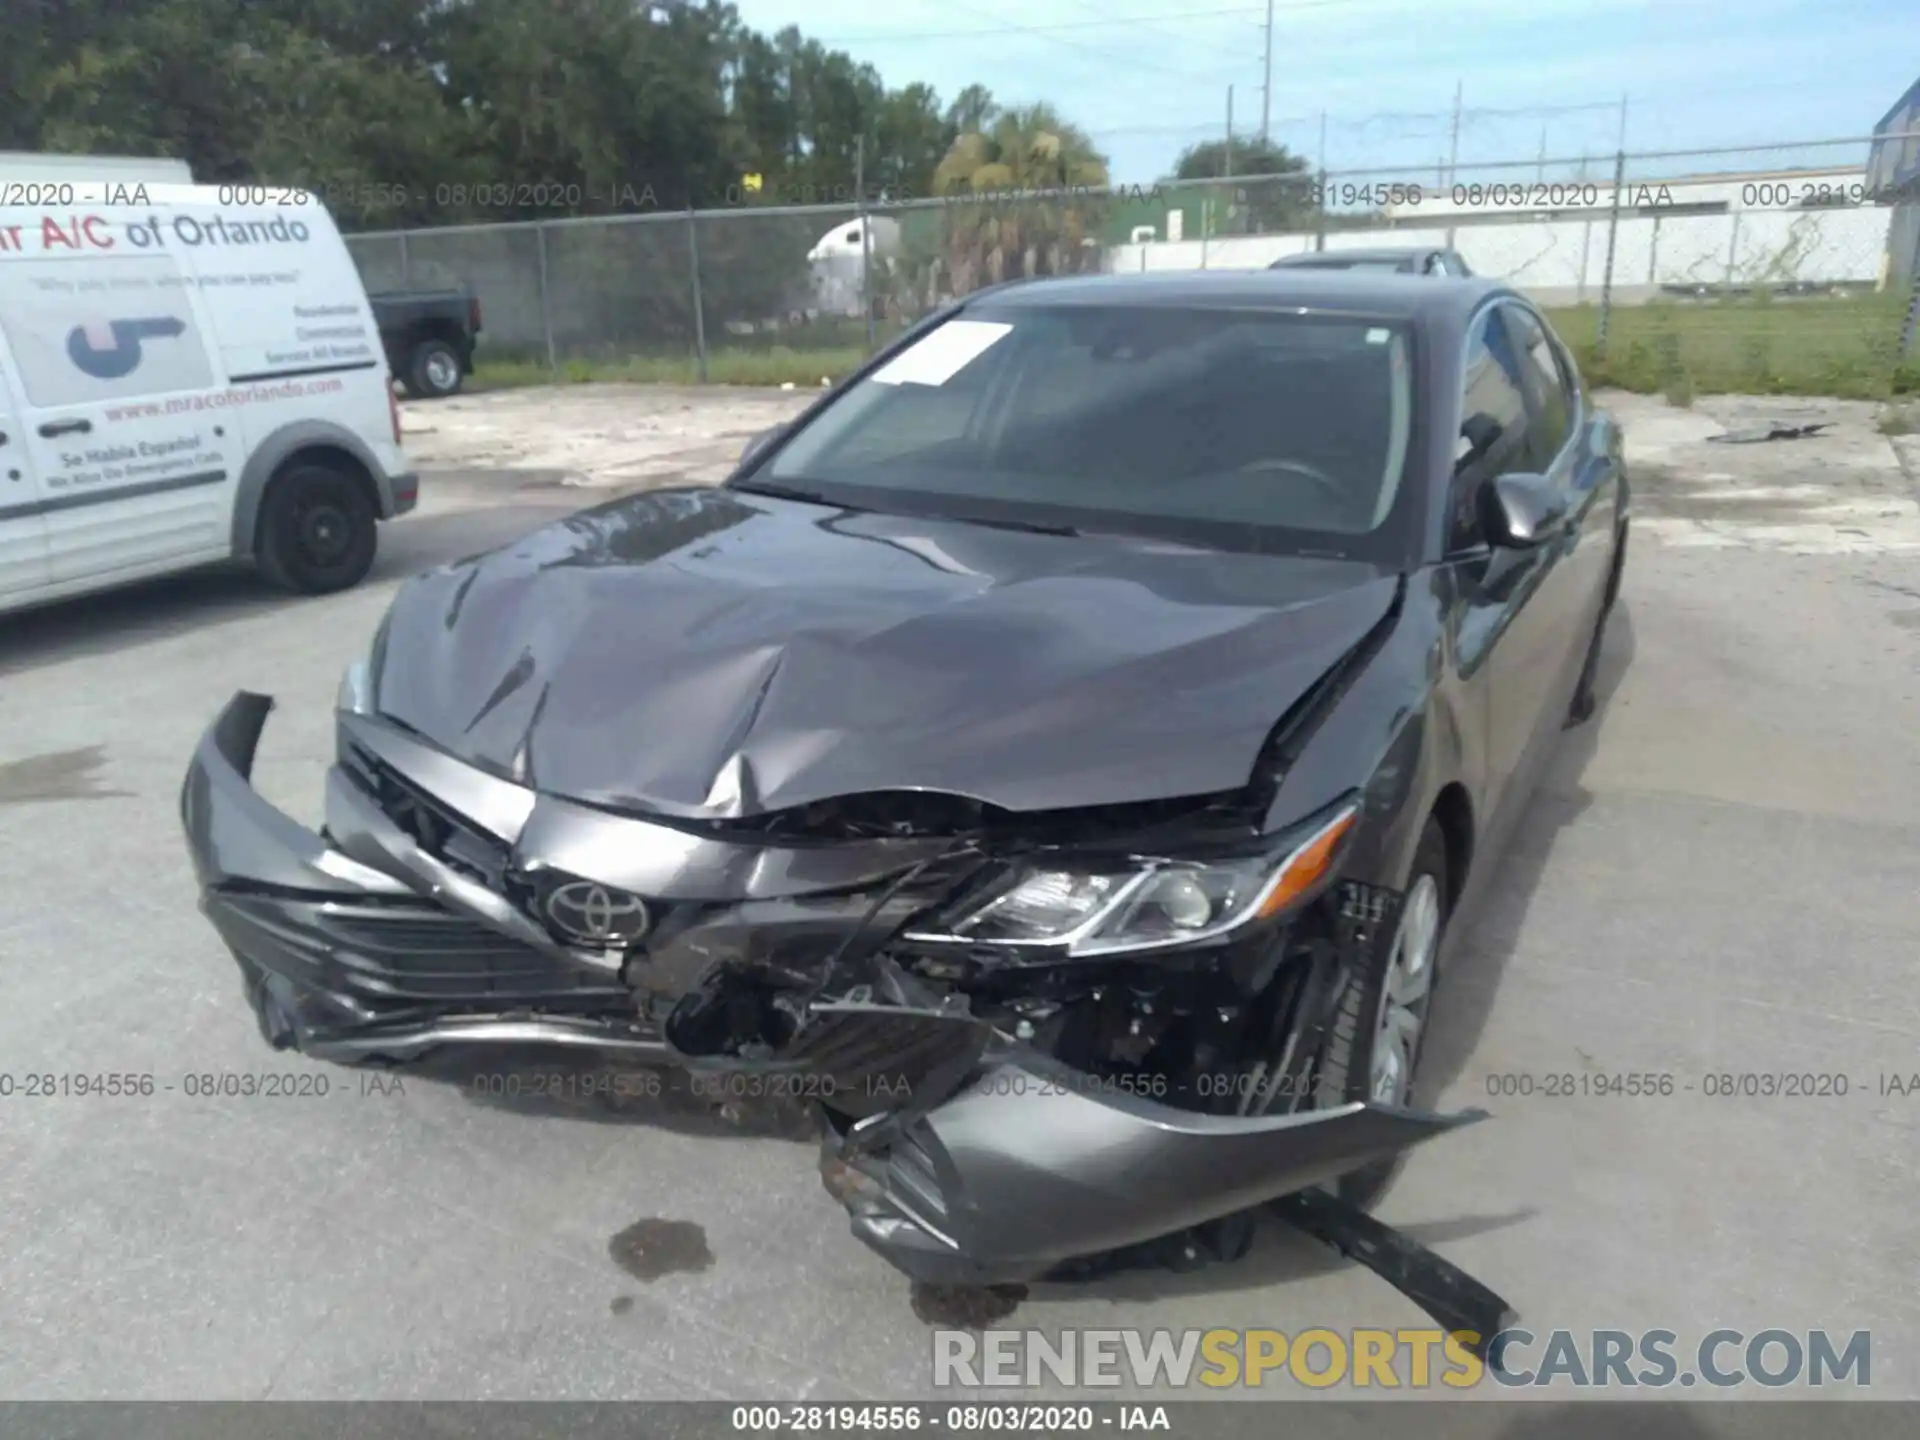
(882, 37)
(1106, 55)
(1207, 127)
(1238, 52)
(878, 37)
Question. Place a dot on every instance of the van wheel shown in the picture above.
(317, 531)
(433, 370)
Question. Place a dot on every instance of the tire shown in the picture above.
(1347, 1071)
(318, 532)
(433, 370)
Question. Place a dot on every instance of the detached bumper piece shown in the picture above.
(1026, 1168)
(345, 962)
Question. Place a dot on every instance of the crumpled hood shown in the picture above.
(704, 652)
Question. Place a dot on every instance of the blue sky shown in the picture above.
(1148, 77)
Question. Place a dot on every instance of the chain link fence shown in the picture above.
(1765, 269)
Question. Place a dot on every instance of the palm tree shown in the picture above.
(995, 229)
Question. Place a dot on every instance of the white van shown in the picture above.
(188, 374)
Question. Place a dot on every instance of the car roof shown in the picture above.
(1372, 252)
(1370, 293)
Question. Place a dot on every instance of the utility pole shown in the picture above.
(1623, 122)
(1541, 173)
(1453, 148)
(865, 222)
(1323, 142)
(1229, 161)
(793, 113)
(1266, 86)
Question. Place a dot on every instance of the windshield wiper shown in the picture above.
(1031, 527)
(790, 492)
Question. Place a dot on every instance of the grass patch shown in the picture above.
(507, 375)
(776, 366)
(1845, 347)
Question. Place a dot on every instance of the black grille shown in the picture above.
(442, 832)
(392, 957)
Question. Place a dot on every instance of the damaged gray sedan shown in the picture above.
(1057, 753)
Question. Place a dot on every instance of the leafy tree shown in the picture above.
(1261, 208)
(996, 228)
(418, 113)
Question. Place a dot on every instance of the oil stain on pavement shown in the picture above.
(965, 1307)
(649, 1249)
(62, 775)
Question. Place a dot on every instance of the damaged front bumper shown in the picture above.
(1029, 1166)
(962, 1155)
(345, 961)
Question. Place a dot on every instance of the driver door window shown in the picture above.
(1549, 396)
(1493, 427)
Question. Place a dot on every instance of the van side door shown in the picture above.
(23, 529)
(123, 407)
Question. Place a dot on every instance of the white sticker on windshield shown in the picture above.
(942, 355)
(1378, 337)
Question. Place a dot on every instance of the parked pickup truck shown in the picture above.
(429, 337)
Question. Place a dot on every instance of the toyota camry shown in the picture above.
(1058, 753)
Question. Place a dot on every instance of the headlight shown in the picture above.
(1150, 905)
(356, 693)
(355, 696)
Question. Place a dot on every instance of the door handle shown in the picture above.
(65, 427)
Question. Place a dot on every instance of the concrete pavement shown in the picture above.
(1716, 879)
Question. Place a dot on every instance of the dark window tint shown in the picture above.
(1493, 425)
(1547, 389)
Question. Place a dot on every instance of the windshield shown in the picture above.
(1224, 427)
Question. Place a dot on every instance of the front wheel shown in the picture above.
(1380, 1022)
(318, 531)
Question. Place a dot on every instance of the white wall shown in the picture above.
(1569, 257)
(1771, 190)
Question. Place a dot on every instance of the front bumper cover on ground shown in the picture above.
(973, 1159)
(1028, 1166)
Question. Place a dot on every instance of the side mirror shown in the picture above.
(1521, 511)
(760, 442)
(1481, 432)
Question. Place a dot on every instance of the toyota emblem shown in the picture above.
(591, 913)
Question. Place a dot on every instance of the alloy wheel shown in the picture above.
(1403, 995)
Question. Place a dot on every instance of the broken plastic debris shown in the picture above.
(1778, 430)
(1446, 1292)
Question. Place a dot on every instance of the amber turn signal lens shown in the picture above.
(1308, 865)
